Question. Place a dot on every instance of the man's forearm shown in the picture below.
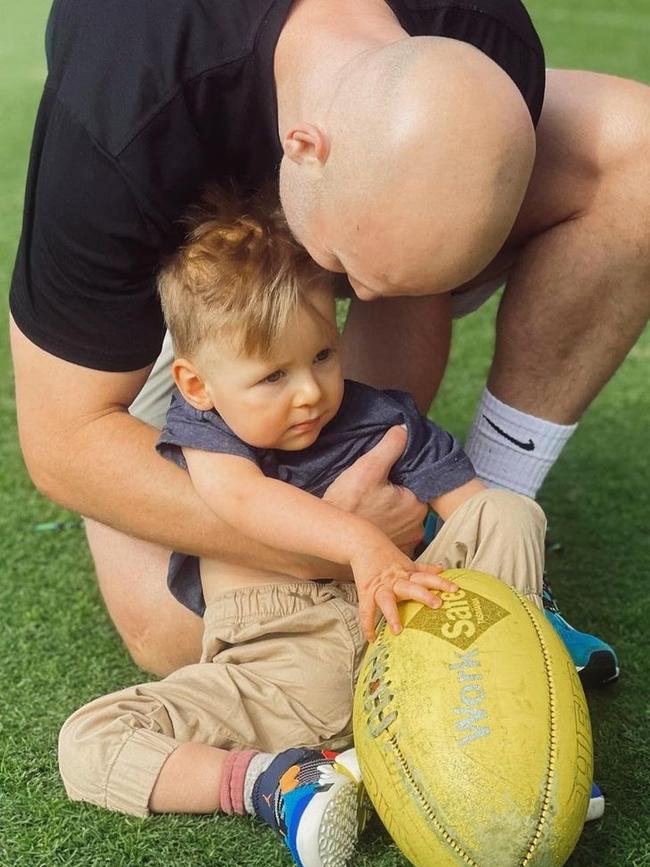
(110, 471)
(83, 450)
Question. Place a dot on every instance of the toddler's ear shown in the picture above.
(191, 384)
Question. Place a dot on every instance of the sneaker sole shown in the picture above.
(596, 809)
(600, 670)
(339, 827)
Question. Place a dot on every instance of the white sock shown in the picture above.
(511, 449)
(258, 764)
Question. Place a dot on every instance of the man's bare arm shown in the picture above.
(85, 451)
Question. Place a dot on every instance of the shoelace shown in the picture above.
(547, 597)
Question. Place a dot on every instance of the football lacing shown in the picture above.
(377, 697)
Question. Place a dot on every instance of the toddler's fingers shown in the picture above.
(433, 582)
(432, 568)
(385, 599)
(423, 574)
(435, 568)
(367, 610)
(404, 588)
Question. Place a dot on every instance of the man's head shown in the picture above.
(253, 322)
(414, 176)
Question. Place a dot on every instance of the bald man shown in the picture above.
(419, 155)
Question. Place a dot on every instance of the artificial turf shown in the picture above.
(58, 648)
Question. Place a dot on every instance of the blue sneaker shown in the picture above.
(596, 804)
(316, 801)
(595, 660)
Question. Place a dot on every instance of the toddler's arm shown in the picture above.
(447, 503)
(280, 515)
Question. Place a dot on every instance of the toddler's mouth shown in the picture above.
(307, 425)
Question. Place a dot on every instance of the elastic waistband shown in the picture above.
(260, 602)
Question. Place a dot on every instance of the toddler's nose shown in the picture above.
(308, 392)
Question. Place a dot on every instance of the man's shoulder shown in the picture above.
(188, 34)
(117, 63)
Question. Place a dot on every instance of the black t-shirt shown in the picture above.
(147, 102)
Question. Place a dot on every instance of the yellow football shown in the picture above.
(473, 732)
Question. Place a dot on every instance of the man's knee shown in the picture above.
(160, 634)
(623, 146)
(626, 126)
(161, 648)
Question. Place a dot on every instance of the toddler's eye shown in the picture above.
(323, 355)
(276, 376)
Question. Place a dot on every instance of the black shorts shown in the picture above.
(502, 29)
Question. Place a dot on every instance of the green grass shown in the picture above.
(58, 648)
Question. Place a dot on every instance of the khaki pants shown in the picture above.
(279, 665)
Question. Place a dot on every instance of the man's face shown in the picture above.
(407, 235)
(284, 401)
(385, 258)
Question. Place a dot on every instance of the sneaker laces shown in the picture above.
(548, 599)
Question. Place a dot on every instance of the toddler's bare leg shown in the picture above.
(189, 781)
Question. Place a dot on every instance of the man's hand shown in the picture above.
(364, 489)
(384, 576)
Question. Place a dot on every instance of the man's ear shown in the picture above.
(191, 384)
(307, 145)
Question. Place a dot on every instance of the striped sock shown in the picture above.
(233, 777)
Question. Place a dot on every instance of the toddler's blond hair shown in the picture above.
(239, 276)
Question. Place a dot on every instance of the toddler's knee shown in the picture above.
(109, 749)
(517, 510)
(82, 750)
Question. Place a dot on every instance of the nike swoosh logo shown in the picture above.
(527, 447)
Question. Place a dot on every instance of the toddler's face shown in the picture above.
(282, 402)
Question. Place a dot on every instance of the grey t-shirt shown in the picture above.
(431, 464)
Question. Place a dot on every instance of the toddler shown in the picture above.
(263, 421)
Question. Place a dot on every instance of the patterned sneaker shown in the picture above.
(319, 806)
(595, 660)
(596, 804)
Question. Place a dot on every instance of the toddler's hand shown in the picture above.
(384, 576)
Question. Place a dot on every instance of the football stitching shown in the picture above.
(427, 806)
(552, 748)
